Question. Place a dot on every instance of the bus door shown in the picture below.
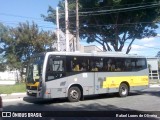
(98, 75)
(99, 80)
(96, 83)
(55, 74)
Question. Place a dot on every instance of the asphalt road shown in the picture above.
(141, 102)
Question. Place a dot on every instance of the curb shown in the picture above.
(3, 95)
(18, 94)
(11, 100)
(12, 97)
(12, 94)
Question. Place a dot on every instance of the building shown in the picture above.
(91, 48)
(153, 68)
(62, 42)
(72, 44)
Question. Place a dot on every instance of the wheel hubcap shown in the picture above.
(74, 94)
(124, 90)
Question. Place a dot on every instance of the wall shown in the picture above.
(9, 77)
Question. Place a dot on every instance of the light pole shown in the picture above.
(57, 20)
(77, 27)
(66, 26)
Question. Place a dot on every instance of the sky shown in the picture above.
(14, 11)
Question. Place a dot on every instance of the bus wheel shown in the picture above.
(74, 94)
(123, 90)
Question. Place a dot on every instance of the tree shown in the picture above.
(158, 54)
(3, 31)
(111, 23)
(2, 64)
(24, 41)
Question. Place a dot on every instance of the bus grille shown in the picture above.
(31, 87)
(32, 94)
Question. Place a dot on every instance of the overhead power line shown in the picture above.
(84, 13)
(128, 5)
(81, 26)
(13, 15)
(106, 11)
(99, 13)
(121, 9)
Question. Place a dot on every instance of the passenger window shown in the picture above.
(97, 64)
(58, 65)
(55, 68)
(141, 64)
(75, 64)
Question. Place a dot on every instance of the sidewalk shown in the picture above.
(154, 85)
(12, 97)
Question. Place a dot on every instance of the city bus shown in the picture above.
(75, 74)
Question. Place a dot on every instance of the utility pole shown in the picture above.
(66, 21)
(57, 20)
(77, 27)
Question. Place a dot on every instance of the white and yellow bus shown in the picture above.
(75, 74)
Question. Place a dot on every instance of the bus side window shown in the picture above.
(80, 63)
(113, 67)
(55, 68)
(98, 64)
(128, 65)
(93, 66)
(49, 65)
(83, 67)
(119, 66)
(76, 67)
(75, 64)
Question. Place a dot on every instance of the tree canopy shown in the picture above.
(111, 23)
(158, 54)
(19, 43)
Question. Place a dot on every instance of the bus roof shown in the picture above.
(98, 54)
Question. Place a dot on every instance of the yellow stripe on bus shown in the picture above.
(114, 82)
(31, 84)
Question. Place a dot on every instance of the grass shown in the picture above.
(8, 89)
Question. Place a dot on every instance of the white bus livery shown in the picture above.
(75, 74)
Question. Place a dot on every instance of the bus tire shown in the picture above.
(74, 94)
(123, 90)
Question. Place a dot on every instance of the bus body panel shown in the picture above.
(59, 88)
(104, 83)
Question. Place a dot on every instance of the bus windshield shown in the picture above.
(35, 67)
